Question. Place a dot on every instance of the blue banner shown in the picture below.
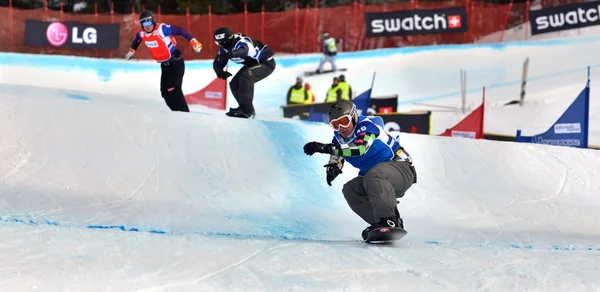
(571, 129)
(318, 116)
(362, 102)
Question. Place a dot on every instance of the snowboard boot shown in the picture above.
(394, 222)
(238, 113)
(399, 220)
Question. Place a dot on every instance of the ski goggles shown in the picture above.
(147, 22)
(343, 121)
(221, 42)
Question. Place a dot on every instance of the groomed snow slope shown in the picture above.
(430, 74)
(97, 197)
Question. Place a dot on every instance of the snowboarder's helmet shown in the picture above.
(147, 18)
(223, 37)
(342, 112)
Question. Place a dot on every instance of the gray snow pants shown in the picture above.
(327, 59)
(373, 196)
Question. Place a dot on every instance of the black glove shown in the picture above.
(224, 75)
(312, 147)
(332, 172)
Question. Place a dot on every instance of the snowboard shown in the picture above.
(385, 235)
(311, 73)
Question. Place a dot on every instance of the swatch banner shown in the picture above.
(416, 22)
(564, 17)
(70, 34)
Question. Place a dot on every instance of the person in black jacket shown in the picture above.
(258, 63)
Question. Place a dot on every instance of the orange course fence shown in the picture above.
(288, 32)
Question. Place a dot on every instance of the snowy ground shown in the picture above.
(59, 259)
(96, 197)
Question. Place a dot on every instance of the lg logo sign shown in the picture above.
(89, 36)
(58, 34)
(71, 34)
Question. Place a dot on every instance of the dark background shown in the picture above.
(218, 6)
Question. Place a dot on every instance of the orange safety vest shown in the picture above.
(159, 45)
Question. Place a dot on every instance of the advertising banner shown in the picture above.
(416, 22)
(70, 34)
(410, 122)
(565, 17)
(571, 129)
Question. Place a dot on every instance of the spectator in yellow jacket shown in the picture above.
(346, 88)
(335, 91)
(297, 93)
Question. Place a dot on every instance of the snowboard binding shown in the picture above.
(387, 230)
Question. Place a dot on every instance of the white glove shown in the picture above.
(130, 54)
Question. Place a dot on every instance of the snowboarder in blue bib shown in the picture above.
(258, 63)
(385, 169)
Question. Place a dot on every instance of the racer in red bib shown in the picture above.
(160, 40)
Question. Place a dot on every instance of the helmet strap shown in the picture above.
(354, 115)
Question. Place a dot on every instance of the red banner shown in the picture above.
(214, 95)
(471, 126)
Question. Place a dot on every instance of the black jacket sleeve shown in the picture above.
(220, 62)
